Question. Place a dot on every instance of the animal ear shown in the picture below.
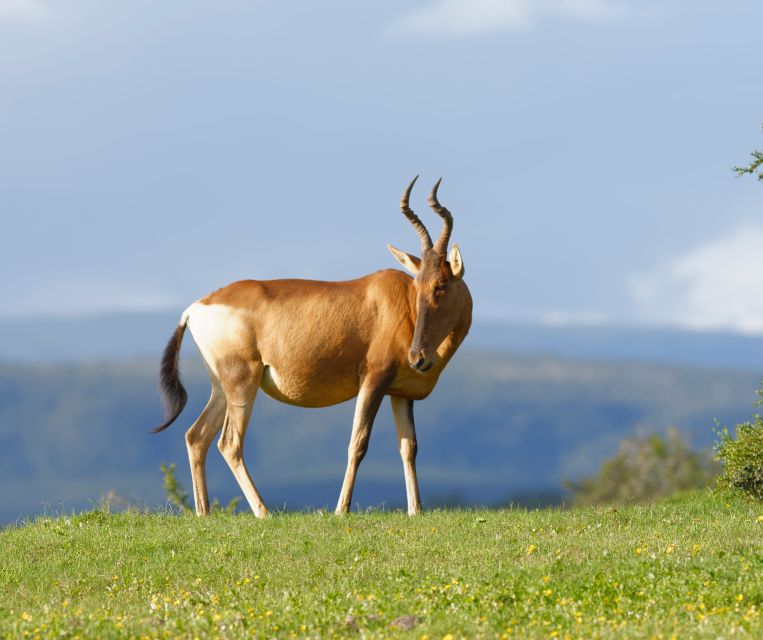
(410, 262)
(456, 263)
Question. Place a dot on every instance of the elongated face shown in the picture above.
(440, 292)
(439, 302)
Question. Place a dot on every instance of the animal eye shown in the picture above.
(440, 289)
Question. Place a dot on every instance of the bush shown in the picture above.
(177, 495)
(742, 457)
(646, 468)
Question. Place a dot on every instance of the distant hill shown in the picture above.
(499, 427)
(612, 342)
(130, 336)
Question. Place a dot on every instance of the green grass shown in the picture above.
(686, 567)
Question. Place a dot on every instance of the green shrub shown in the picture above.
(742, 457)
(177, 495)
(646, 468)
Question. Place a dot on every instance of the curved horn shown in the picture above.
(421, 230)
(447, 220)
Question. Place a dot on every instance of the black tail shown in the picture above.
(173, 393)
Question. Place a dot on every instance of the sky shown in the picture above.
(153, 152)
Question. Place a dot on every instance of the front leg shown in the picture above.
(367, 405)
(402, 410)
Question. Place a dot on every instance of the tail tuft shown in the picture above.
(174, 395)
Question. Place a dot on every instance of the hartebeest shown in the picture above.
(314, 344)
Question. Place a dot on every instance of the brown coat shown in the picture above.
(313, 344)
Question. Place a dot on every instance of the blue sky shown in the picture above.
(151, 152)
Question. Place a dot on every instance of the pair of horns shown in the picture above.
(441, 247)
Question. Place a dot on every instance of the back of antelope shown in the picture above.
(312, 344)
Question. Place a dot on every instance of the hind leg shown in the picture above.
(240, 380)
(198, 439)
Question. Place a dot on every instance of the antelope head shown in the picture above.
(440, 292)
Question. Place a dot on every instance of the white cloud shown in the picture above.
(590, 318)
(463, 18)
(718, 285)
(22, 11)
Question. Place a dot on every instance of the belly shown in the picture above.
(306, 388)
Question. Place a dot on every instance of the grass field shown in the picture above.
(689, 567)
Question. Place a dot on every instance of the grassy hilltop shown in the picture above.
(686, 567)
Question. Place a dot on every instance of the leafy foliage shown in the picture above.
(177, 495)
(742, 457)
(755, 166)
(646, 468)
